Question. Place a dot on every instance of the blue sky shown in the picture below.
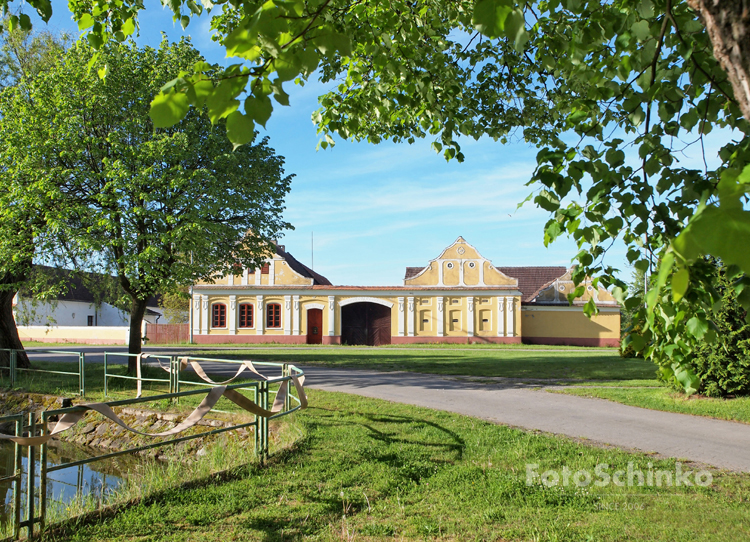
(375, 209)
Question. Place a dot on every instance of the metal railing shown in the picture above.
(13, 369)
(16, 477)
(38, 423)
(107, 375)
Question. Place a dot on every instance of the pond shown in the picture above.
(96, 480)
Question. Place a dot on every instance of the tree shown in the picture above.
(724, 365)
(176, 305)
(631, 85)
(160, 208)
(23, 228)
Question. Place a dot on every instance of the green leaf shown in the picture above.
(716, 231)
(636, 341)
(490, 16)
(515, 29)
(329, 42)
(680, 281)
(24, 22)
(103, 72)
(128, 27)
(547, 201)
(167, 109)
(697, 326)
(221, 103)
(686, 377)
(259, 108)
(240, 129)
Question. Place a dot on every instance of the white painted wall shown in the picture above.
(71, 313)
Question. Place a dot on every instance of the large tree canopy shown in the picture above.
(614, 93)
(23, 230)
(160, 208)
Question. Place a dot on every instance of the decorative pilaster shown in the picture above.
(331, 315)
(287, 315)
(470, 316)
(510, 332)
(500, 316)
(461, 273)
(204, 315)
(295, 318)
(230, 278)
(410, 318)
(401, 317)
(260, 317)
(258, 273)
(440, 317)
(481, 272)
(232, 316)
(271, 272)
(440, 265)
(196, 315)
(245, 275)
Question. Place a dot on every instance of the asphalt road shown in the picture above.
(718, 443)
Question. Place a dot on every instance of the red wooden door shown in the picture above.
(314, 326)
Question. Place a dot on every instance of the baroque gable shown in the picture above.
(459, 265)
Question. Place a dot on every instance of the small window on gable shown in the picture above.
(273, 315)
(265, 269)
(219, 315)
(246, 315)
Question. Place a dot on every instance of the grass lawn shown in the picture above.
(737, 409)
(563, 363)
(367, 469)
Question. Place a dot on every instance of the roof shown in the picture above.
(301, 268)
(412, 272)
(74, 287)
(532, 278)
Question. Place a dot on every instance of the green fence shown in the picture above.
(13, 370)
(32, 516)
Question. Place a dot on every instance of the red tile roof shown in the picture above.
(301, 268)
(412, 272)
(532, 278)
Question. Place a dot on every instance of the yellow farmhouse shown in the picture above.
(459, 297)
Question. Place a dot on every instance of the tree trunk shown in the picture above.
(137, 311)
(728, 26)
(9, 332)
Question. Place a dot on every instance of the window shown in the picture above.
(90, 320)
(273, 315)
(219, 313)
(265, 269)
(246, 315)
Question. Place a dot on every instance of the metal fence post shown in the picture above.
(105, 374)
(43, 475)
(12, 356)
(266, 389)
(30, 469)
(18, 481)
(286, 373)
(82, 373)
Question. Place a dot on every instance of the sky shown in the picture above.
(364, 212)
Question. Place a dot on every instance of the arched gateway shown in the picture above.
(365, 323)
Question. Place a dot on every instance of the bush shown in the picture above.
(724, 365)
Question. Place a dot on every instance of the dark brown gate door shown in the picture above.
(366, 323)
(314, 326)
